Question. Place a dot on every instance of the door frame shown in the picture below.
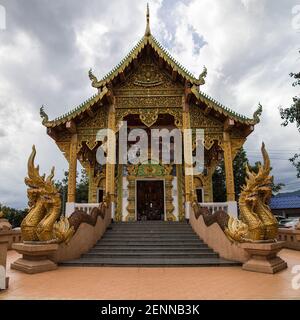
(150, 179)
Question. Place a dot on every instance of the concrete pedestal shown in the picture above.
(4, 240)
(263, 257)
(35, 257)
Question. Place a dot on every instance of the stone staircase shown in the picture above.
(150, 243)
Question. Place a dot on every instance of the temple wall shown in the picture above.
(216, 239)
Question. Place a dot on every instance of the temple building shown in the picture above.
(149, 89)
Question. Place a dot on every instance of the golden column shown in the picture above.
(228, 159)
(72, 169)
(208, 189)
(91, 183)
(111, 153)
(188, 167)
(188, 164)
(180, 184)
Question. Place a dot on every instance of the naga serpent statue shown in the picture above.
(256, 223)
(44, 222)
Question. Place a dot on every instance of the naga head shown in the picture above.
(258, 184)
(39, 186)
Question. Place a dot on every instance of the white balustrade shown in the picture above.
(86, 207)
(229, 207)
(215, 206)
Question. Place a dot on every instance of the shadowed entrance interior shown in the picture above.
(150, 200)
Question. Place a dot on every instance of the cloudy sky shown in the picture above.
(47, 47)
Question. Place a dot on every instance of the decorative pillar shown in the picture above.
(119, 215)
(180, 187)
(131, 198)
(228, 167)
(228, 160)
(111, 157)
(188, 167)
(72, 169)
(169, 198)
(91, 183)
(208, 189)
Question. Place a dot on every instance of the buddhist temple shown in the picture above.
(149, 90)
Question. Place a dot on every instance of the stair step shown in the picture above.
(153, 254)
(143, 225)
(150, 247)
(150, 225)
(151, 222)
(152, 250)
(150, 236)
(148, 262)
(149, 242)
(148, 232)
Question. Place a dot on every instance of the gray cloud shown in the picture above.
(2, 133)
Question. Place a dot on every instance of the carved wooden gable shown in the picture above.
(149, 86)
(200, 120)
(97, 120)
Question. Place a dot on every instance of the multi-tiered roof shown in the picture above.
(119, 73)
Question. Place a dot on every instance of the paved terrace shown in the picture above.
(153, 283)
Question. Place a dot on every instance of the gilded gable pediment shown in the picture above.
(148, 78)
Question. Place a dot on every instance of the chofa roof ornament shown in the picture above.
(202, 76)
(43, 115)
(93, 78)
(257, 113)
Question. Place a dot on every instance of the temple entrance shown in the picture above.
(150, 200)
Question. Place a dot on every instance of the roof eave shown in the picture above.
(201, 96)
(77, 111)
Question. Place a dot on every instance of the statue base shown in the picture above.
(35, 257)
(263, 257)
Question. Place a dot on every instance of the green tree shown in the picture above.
(14, 216)
(292, 115)
(219, 180)
(239, 171)
(82, 188)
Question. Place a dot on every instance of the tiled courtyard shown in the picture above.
(153, 283)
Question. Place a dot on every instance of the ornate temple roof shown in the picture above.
(149, 40)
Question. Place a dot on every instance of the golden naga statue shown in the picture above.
(41, 223)
(257, 221)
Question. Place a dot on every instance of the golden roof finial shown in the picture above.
(148, 32)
